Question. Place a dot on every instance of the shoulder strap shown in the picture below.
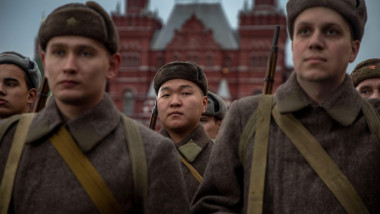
(85, 172)
(13, 160)
(246, 135)
(372, 117)
(8, 122)
(321, 162)
(193, 171)
(139, 161)
(259, 156)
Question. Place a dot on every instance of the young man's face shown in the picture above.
(77, 69)
(369, 88)
(180, 104)
(15, 98)
(322, 46)
(211, 125)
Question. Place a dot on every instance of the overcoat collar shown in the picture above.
(192, 145)
(87, 130)
(343, 105)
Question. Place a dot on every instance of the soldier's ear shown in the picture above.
(114, 65)
(204, 104)
(32, 94)
(355, 45)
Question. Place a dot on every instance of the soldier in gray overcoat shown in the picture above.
(181, 89)
(319, 96)
(80, 52)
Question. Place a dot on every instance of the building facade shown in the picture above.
(234, 61)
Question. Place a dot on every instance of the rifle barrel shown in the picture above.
(272, 61)
(43, 94)
(153, 118)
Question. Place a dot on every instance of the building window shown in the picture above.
(130, 60)
(192, 58)
(228, 62)
(259, 61)
(263, 61)
(209, 60)
(160, 61)
(253, 61)
(128, 102)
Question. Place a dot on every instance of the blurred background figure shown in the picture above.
(214, 115)
(20, 79)
(366, 78)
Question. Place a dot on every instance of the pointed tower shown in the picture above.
(256, 29)
(135, 6)
(265, 5)
(130, 88)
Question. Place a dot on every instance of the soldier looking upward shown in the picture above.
(312, 147)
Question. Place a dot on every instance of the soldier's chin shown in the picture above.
(70, 100)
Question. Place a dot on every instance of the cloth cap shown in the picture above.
(367, 69)
(26, 64)
(354, 11)
(181, 70)
(87, 20)
(216, 107)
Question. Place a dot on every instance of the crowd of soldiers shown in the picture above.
(311, 147)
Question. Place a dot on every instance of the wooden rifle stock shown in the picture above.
(43, 94)
(272, 61)
(153, 118)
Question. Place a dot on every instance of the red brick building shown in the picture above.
(234, 60)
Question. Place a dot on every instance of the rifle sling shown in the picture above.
(193, 171)
(135, 146)
(321, 162)
(85, 172)
(139, 162)
(259, 156)
(14, 157)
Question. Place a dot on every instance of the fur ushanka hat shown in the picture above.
(181, 70)
(87, 20)
(216, 107)
(30, 67)
(367, 69)
(354, 11)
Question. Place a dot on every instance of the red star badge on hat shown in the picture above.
(373, 67)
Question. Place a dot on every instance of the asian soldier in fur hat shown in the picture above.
(80, 154)
(181, 89)
(20, 78)
(366, 78)
(313, 146)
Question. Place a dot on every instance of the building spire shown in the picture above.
(136, 6)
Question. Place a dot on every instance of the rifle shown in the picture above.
(43, 94)
(271, 66)
(153, 118)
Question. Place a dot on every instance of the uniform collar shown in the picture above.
(192, 145)
(87, 130)
(343, 105)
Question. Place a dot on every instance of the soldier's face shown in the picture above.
(180, 104)
(322, 46)
(77, 69)
(211, 125)
(15, 98)
(369, 88)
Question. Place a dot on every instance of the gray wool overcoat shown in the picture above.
(45, 184)
(291, 185)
